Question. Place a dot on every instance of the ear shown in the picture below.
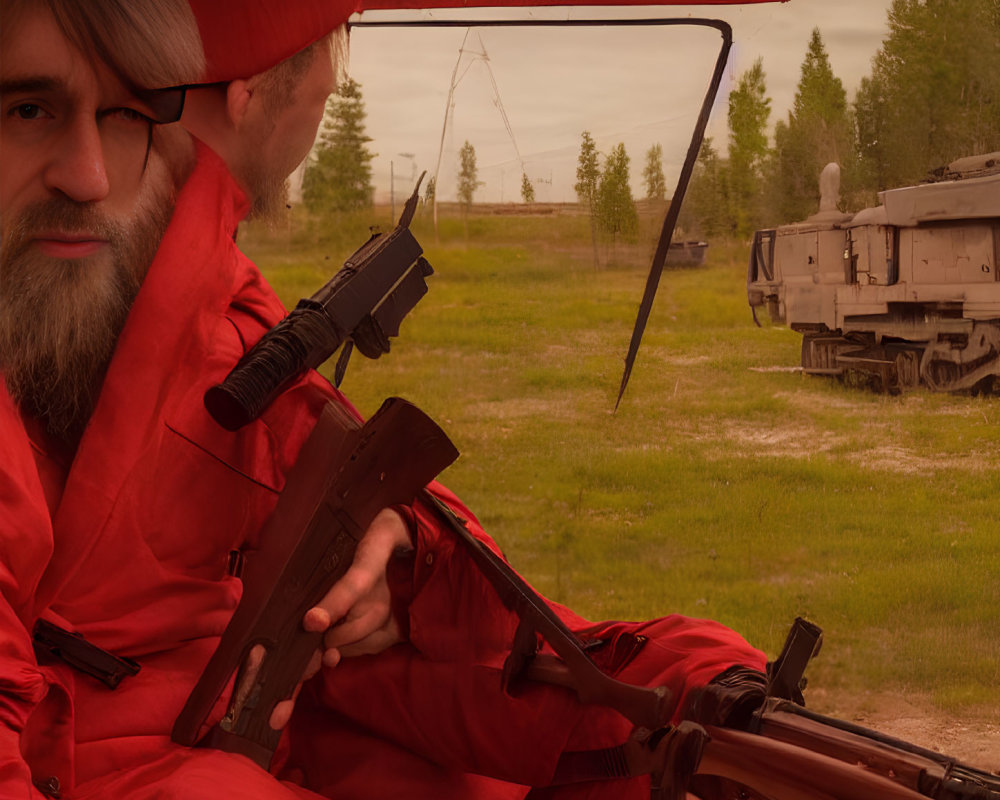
(239, 93)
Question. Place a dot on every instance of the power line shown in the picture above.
(478, 56)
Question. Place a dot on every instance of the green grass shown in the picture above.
(718, 489)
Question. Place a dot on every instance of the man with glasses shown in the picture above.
(86, 199)
(125, 504)
(86, 192)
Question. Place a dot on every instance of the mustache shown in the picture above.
(63, 215)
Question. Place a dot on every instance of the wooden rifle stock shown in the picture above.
(799, 755)
(791, 753)
(345, 474)
(782, 771)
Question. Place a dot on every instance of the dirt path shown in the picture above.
(973, 740)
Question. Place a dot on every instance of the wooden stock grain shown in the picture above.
(784, 771)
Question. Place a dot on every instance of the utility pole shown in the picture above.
(449, 111)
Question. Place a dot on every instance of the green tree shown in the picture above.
(588, 175)
(819, 130)
(339, 176)
(652, 175)
(468, 175)
(616, 213)
(934, 91)
(429, 192)
(749, 110)
(705, 208)
(527, 190)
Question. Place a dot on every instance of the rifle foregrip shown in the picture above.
(305, 338)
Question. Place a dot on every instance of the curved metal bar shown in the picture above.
(697, 137)
(670, 222)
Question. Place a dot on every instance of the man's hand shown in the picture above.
(356, 613)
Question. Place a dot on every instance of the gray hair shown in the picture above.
(148, 43)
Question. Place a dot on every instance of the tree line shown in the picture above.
(339, 175)
(933, 95)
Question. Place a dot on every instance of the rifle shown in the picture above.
(791, 753)
(363, 305)
(345, 475)
(304, 339)
(786, 752)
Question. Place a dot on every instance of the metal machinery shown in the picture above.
(903, 294)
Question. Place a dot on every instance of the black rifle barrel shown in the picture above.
(320, 324)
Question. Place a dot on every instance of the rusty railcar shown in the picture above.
(904, 293)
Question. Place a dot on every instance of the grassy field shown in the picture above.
(725, 486)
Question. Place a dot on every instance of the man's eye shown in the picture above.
(127, 115)
(27, 111)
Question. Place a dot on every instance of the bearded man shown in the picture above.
(86, 192)
(76, 247)
(124, 504)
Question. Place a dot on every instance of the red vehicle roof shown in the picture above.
(378, 5)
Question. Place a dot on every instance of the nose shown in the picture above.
(77, 168)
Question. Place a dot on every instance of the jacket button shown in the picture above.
(429, 559)
(49, 787)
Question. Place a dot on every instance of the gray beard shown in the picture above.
(60, 319)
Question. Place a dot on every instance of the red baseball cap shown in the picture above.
(245, 37)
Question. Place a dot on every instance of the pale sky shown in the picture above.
(640, 86)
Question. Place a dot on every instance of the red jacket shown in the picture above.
(135, 558)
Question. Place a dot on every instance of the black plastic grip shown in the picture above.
(303, 339)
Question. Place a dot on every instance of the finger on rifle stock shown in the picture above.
(374, 621)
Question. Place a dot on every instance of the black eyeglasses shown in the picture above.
(166, 105)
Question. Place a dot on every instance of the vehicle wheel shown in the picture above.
(907, 369)
(808, 353)
(819, 352)
(942, 375)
